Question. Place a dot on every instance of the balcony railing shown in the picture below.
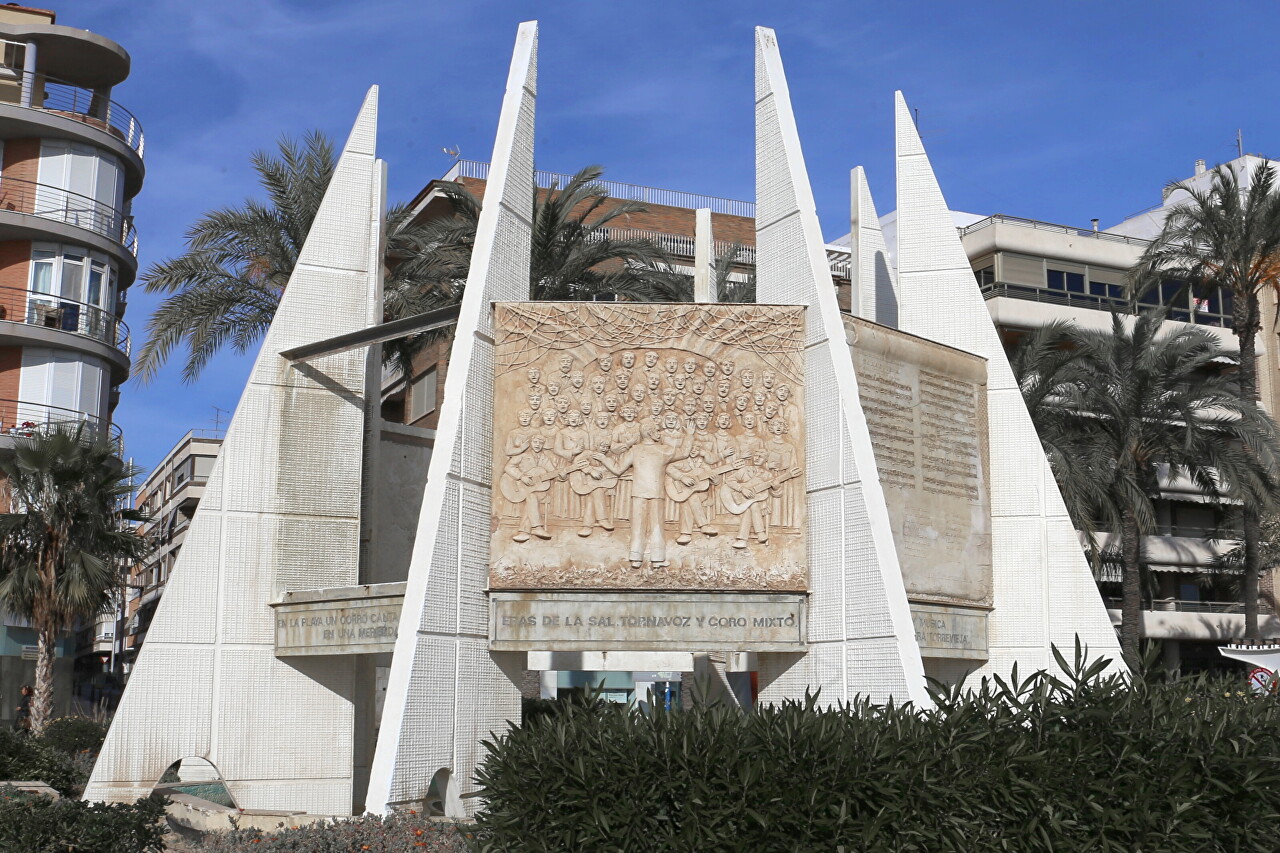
(1031, 293)
(54, 312)
(49, 202)
(1174, 605)
(48, 94)
(19, 418)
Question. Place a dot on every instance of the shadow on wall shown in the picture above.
(886, 298)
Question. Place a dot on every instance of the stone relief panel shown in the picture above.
(926, 410)
(655, 446)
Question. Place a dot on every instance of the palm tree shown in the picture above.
(574, 252)
(1228, 237)
(225, 289)
(62, 544)
(1115, 407)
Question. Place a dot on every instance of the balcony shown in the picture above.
(1215, 621)
(54, 203)
(45, 310)
(21, 419)
(1109, 303)
(50, 95)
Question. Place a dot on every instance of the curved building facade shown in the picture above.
(70, 165)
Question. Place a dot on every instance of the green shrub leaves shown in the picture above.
(1078, 761)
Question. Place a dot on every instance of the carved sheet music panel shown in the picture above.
(648, 446)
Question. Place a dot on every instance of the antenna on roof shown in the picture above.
(217, 417)
(455, 152)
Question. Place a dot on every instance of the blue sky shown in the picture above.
(1054, 111)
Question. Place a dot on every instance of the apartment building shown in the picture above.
(70, 164)
(169, 496)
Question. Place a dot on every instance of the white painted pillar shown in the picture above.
(28, 74)
(702, 259)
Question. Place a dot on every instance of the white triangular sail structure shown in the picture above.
(861, 639)
(875, 286)
(446, 690)
(1044, 592)
(280, 512)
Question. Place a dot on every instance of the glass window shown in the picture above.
(97, 272)
(42, 263)
(985, 276)
(1075, 282)
(72, 278)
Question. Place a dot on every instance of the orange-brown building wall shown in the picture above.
(15, 256)
(22, 163)
(10, 374)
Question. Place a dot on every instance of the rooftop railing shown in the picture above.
(48, 94)
(627, 192)
(1002, 219)
(23, 419)
(51, 311)
(49, 202)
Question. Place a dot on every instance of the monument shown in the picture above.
(831, 503)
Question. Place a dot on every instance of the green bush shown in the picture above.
(23, 758)
(1083, 761)
(397, 833)
(31, 823)
(74, 735)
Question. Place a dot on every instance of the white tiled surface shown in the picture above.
(281, 511)
(1044, 592)
(445, 693)
(860, 632)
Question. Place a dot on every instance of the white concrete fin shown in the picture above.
(702, 260)
(861, 638)
(875, 284)
(281, 511)
(446, 691)
(1043, 589)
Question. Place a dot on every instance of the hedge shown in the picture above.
(34, 823)
(406, 832)
(1080, 761)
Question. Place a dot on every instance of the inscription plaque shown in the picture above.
(950, 632)
(925, 405)
(338, 620)
(603, 621)
(648, 447)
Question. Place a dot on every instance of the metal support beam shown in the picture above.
(418, 323)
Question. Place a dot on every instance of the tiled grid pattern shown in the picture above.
(449, 569)
(858, 607)
(1043, 590)
(877, 297)
(281, 511)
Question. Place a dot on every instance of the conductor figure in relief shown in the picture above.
(648, 463)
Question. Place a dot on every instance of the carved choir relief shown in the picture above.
(648, 447)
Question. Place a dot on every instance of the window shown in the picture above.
(15, 55)
(986, 276)
(1065, 281)
(73, 274)
(422, 396)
